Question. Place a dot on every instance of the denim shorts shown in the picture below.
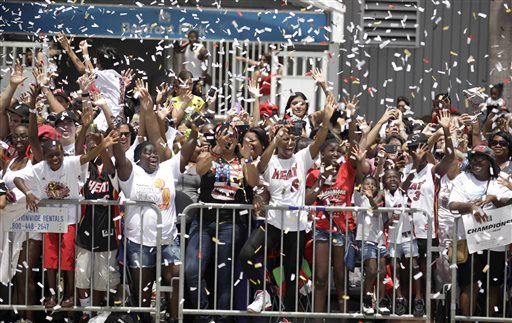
(371, 250)
(170, 254)
(337, 238)
(405, 248)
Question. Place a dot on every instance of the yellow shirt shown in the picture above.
(195, 105)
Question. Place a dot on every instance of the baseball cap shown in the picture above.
(21, 110)
(416, 139)
(47, 131)
(66, 114)
(486, 151)
(62, 94)
(267, 108)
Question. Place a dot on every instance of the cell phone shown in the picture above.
(197, 119)
(212, 91)
(242, 128)
(391, 149)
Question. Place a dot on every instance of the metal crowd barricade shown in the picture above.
(304, 305)
(480, 306)
(123, 292)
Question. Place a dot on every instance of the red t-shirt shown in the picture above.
(337, 194)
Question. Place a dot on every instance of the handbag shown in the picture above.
(462, 251)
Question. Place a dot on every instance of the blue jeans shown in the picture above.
(224, 244)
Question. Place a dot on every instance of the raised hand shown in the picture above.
(254, 88)
(84, 47)
(87, 115)
(419, 153)
(85, 81)
(351, 104)
(111, 139)
(98, 100)
(41, 79)
(330, 103)
(364, 126)
(444, 119)
(63, 41)
(358, 153)
(317, 75)
(162, 92)
(17, 74)
(127, 75)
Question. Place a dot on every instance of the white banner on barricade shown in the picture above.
(45, 219)
(495, 232)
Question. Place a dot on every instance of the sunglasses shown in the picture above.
(502, 143)
(126, 134)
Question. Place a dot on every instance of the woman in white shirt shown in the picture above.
(285, 173)
(148, 179)
(475, 191)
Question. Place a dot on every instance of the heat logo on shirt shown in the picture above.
(166, 193)
(98, 187)
(285, 174)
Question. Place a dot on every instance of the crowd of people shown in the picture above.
(57, 146)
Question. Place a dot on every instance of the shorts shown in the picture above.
(105, 273)
(372, 251)
(170, 254)
(407, 248)
(422, 248)
(67, 249)
(496, 269)
(338, 238)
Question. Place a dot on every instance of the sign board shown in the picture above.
(163, 22)
(46, 219)
(496, 232)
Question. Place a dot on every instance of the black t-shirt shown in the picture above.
(93, 230)
(224, 183)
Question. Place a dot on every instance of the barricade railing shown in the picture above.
(207, 229)
(119, 298)
(483, 278)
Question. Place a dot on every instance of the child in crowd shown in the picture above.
(370, 234)
(402, 243)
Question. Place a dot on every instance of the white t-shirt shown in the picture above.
(445, 217)
(467, 188)
(404, 225)
(111, 85)
(158, 188)
(421, 196)
(370, 226)
(63, 183)
(193, 64)
(287, 186)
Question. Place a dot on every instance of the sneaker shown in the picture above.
(419, 307)
(283, 320)
(400, 306)
(368, 305)
(261, 302)
(84, 318)
(384, 306)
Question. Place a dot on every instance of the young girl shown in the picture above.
(402, 243)
(58, 177)
(370, 232)
(331, 185)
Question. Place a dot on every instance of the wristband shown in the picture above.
(28, 192)
(248, 160)
(34, 111)
(85, 95)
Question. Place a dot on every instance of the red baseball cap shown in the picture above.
(267, 109)
(48, 132)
